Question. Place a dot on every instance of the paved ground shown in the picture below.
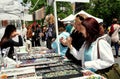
(117, 59)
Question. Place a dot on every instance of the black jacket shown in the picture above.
(77, 41)
(11, 43)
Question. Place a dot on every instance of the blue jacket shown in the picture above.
(63, 48)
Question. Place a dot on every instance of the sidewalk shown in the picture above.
(117, 60)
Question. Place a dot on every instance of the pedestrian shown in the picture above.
(37, 32)
(114, 32)
(104, 33)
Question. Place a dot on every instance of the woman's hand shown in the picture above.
(66, 42)
(14, 34)
(87, 72)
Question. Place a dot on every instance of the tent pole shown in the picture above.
(56, 25)
(73, 6)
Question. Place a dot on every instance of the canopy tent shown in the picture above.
(83, 12)
(10, 9)
(6, 1)
(6, 16)
(69, 18)
(73, 0)
(11, 6)
(27, 17)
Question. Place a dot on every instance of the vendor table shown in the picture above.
(43, 66)
(51, 66)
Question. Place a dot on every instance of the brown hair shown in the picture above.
(115, 20)
(92, 29)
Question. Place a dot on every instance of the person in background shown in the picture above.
(7, 41)
(77, 39)
(68, 27)
(37, 35)
(29, 32)
(114, 32)
(62, 34)
(24, 32)
(88, 53)
(43, 36)
(103, 32)
(50, 33)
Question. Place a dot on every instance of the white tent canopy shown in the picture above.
(10, 9)
(27, 17)
(16, 6)
(72, 17)
(5, 16)
(6, 1)
(83, 12)
(69, 18)
(73, 0)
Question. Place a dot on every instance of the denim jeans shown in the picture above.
(116, 45)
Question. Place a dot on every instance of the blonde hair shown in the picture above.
(84, 16)
(80, 17)
(51, 19)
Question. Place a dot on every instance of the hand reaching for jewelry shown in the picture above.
(66, 42)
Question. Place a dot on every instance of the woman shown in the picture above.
(104, 33)
(115, 27)
(77, 39)
(7, 41)
(88, 52)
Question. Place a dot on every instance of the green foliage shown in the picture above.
(40, 4)
(49, 9)
(67, 9)
(105, 9)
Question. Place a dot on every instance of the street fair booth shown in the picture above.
(40, 63)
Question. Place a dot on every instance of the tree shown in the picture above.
(105, 9)
(49, 8)
(36, 4)
(63, 9)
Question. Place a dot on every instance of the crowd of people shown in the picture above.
(80, 45)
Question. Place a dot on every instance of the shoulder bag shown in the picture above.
(112, 72)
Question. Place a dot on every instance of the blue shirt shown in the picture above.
(68, 28)
(87, 54)
(63, 49)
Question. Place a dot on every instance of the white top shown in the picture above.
(105, 51)
(115, 35)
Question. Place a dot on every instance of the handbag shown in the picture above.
(112, 72)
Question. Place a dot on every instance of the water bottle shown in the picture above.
(1, 59)
(4, 60)
(28, 46)
(5, 53)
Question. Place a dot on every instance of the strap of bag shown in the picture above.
(98, 48)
